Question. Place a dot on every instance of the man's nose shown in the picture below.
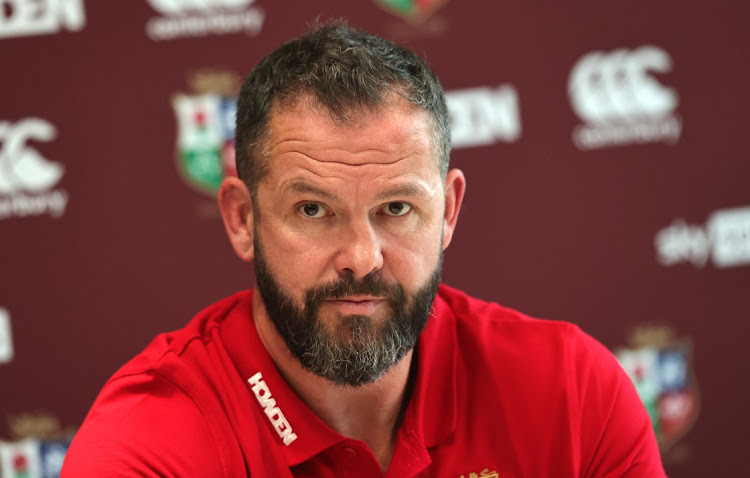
(360, 249)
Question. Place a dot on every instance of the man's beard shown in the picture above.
(358, 350)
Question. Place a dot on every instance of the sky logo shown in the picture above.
(725, 240)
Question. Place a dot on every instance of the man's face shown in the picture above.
(348, 230)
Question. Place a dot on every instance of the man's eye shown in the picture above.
(312, 210)
(397, 208)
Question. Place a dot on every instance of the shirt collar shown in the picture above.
(432, 406)
(431, 412)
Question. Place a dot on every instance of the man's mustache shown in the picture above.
(372, 284)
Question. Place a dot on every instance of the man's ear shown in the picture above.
(237, 211)
(455, 186)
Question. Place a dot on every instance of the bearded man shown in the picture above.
(349, 358)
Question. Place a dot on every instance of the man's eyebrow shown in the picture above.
(406, 190)
(307, 188)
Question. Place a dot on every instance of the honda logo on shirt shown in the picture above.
(620, 102)
(26, 177)
(194, 18)
(273, 412)
(40, 17)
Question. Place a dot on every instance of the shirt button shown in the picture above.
(350, 452)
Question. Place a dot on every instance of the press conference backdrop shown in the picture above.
(608, 185)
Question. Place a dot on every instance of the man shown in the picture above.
(349, 358)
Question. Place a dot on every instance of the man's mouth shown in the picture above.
(356, 304)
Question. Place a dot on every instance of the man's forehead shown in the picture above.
(396, 129)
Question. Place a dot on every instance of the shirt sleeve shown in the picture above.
(617, 438)
(143, 425)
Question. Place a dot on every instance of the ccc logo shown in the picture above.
(21, 167)
(169, 7)
(615, 87)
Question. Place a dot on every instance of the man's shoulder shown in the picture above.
(143, 424)
(490, 321)
(180, 370)
(506, 342)
(184, 342)
(160, 413)
(546, 383)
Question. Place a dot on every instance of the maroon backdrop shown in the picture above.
(603, 146)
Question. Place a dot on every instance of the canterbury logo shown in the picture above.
(22, 168)
(615, 87)
(175, 7)
(198, 18)
(277, 419)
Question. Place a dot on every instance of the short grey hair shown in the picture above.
(345, 70)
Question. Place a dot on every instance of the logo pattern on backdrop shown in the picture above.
(206, 120)
(26, 177)
(725, 239)
(32, 458)
(6, 337)
(199, 18)
(412, 10)
(482, 116)
(205, 130)
(40, 17)
(620, 102)
(20, 459)
(660, 366)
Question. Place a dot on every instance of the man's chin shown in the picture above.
(354, 330)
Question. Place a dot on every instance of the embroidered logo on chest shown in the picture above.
(486, 473)
(268, 403)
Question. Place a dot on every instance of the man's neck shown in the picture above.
(371, 413)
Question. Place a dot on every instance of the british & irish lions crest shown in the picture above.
(660, 365)
(205, 130)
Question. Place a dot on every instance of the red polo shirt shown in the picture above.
(496, 394)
